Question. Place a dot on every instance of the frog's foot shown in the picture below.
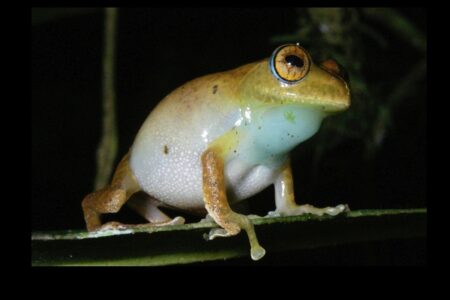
(175, 221)
(147, 207)
(113, 226)
(256, 251)
(111, 200)
(216, 232)
(207, 219)
(308, 209)
(252, 217)
(120, 226)
(238, 221)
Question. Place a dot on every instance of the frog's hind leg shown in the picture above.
(147, 207)
(110, 198)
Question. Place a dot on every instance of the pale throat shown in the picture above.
(279, 129)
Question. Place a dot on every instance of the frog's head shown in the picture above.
(290, 76)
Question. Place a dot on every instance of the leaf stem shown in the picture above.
(107, 149)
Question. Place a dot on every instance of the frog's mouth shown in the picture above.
(327, 107)
(334, 107)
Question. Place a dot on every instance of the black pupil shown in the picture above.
(294, 60)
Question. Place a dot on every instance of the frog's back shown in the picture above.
(165, 156)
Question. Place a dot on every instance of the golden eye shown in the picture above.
(290, 63)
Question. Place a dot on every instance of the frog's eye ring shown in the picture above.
(290, 63)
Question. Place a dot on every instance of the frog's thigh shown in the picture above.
(110, 198)
(285, 199)
(147, 207)
(216, 203)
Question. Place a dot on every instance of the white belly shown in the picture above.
(170, 173)
(244, 181)
(166, 156)
(173, 174)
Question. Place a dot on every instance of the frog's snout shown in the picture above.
(342, 96)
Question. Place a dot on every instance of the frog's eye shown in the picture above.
(290, 63)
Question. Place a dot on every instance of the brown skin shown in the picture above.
(216, 203)
(110, 198)
(214, 191)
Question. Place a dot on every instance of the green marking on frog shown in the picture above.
(289, 116)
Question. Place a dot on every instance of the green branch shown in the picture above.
(404, 28)
(178, 244)
(107, 149)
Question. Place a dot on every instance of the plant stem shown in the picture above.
(107, 149)
(399, 24)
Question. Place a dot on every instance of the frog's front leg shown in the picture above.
(216, 203)
(285, 199)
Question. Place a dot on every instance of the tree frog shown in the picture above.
(223, 137)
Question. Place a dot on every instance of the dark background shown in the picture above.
(160, 49)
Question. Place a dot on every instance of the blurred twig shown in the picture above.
(398, 24)
(383, 119)
(107, 149)
(403, 88)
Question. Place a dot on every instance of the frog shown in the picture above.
(222, 138)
